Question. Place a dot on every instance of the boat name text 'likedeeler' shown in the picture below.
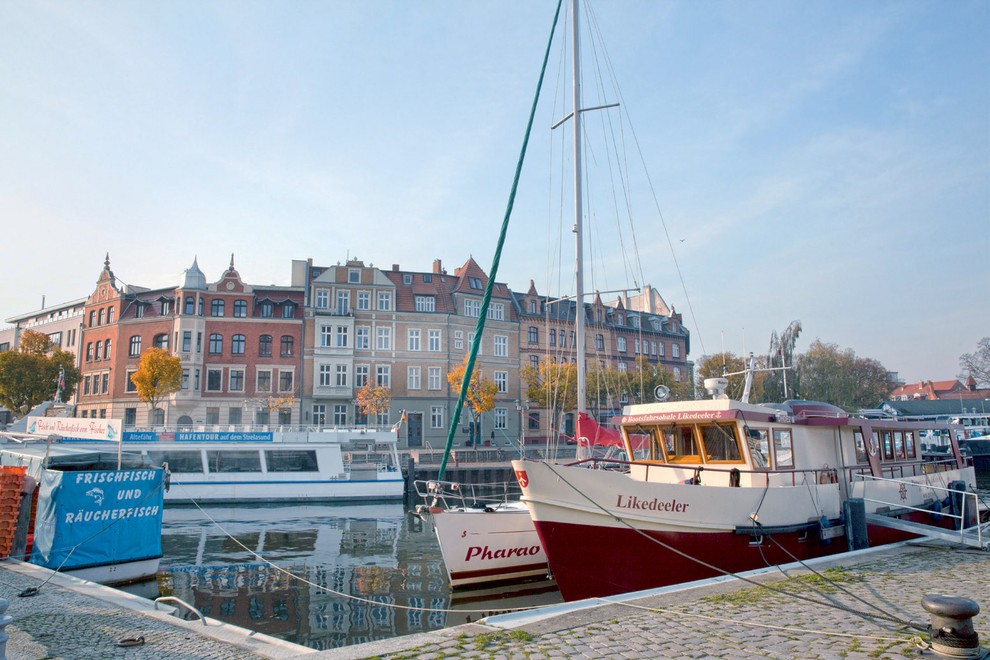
(656, 504)
(486, 553)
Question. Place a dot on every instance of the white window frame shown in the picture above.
(383, 375)
(435, 341)
(385, 301)
(434, 379)
(501, 346)
(472, 308)
(362, 337)
(501, 417)
(501, 379)
(383, 338)
(413, 340)
(426, 304)
(436, 417)
(364, 300)
(325, 375)
(413, 378)
(322, 300)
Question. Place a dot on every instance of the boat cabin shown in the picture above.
(725, 442)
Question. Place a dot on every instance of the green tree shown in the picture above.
(644, 379)
(833, 375)
(29, 375)
(779, 384)
(158, 376)
(977, 364)
(716, 366)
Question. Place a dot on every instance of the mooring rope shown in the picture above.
(622, 521)
(342, 594)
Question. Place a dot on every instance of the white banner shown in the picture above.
(76, 427)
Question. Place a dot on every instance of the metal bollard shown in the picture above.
(953, 635)
(4, 620)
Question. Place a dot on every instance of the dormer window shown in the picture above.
(354, 276)
(475, 283)
(266, 310)
(407, 278)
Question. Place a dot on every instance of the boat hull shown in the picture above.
(605, 533)
(482, 547)
(114, 575)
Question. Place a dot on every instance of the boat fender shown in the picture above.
(937, 510)
(734, 477)
(823, 525)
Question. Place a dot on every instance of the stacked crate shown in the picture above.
(11, 484)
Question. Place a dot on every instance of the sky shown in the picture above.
(821, 161)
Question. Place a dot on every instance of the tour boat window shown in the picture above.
(178, 461)
(759, 447)
(645, 442)
(681, 445)
(283, 460)
(909, 443)
(233, 461)
(899, 451)
(783, 454)
(861, 455)
(721, 443)
(888, 445)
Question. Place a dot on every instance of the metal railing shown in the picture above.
(450, 494)
(823, 475)
(961, 517)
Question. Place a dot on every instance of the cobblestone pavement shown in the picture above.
(734, 620)
(63, 621)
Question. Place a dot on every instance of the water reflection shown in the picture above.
(216, 560)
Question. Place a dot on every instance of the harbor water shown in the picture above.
(322, 576)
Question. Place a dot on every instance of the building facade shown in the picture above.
(405, 330)
(238, 345)
(295, 356)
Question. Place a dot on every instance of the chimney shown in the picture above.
(395, 268)
(437, 266)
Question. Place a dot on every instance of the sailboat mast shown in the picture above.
(578, 213)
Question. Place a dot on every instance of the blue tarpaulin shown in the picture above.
(113, 516)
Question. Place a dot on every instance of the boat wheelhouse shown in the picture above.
(718, 486)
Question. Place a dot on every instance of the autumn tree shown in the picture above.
(480, 396)
(977, 364)
(158, 376)
(373, 399)
(29, 375)
(833, 375)
(551, 386)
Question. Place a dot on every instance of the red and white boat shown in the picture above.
(724, 486)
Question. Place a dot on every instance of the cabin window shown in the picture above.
(899, 451)
(909, 443)
(233, 461)
(783, 454)
(888, 445)
(861, 455)
(720, 443)
(759, 447)
(681, 445)
(291, 461)
(178, 461)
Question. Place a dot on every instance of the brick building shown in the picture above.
(238, 345)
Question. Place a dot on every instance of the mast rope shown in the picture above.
(622, 521)
(483, 313)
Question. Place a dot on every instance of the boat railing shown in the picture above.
(966, 513)
(451, 494)
(715, 476)
(905, 469)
